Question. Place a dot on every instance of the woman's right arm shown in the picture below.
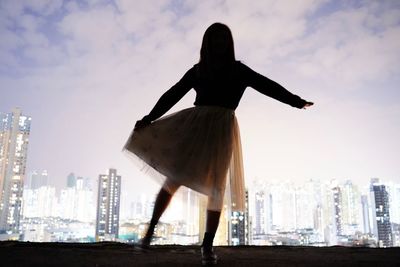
(169, 99)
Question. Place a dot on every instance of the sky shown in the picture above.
(85, 71)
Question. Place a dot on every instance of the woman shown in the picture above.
(198, 147)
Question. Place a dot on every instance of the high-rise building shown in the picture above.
(337, 200)
(71, 180)
(237, 233)
(328, 213)
(380, 214)
(14, 137)
(37, 179)
(202, 216)
(248, 221)
(77, 200)
(67, 203)
(260, 213)
(283, 206)
(351, 208)
(40, 202)
(141, 208)
(305, 206)
(239, 225)
(394, 209)
(365, 214)
(190, 212)
(222, 234)
(108, 203)
(318, 208)
(263, 208)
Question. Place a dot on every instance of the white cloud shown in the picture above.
(347, 49)
(104, 64)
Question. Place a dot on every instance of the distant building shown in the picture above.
(365, 214)
(283, 206)
(337, 200)
(394, 196)
(305, 205)
(38, 179)
(221, 236)
(237, 235)
(202, 217)
(239, 226)
(190, 212)
(381, 217)
(71, 180)
(248, 220)
(260, 213)
(14, 137)
(40, 202)
(351, 208)
(108, 204)
(263, 212)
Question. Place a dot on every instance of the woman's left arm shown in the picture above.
(273, 89)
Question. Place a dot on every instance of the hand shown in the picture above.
(141, 124)
(308, 104)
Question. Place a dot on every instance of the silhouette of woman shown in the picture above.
(199, 147)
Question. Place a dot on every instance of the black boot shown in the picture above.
(208, 256)
(146, 240)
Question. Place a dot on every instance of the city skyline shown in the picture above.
(284, 213)
(316, 213)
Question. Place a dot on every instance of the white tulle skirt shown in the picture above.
(199, 148)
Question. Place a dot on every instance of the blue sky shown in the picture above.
(85, 71)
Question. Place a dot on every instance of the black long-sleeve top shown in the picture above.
(224, 89)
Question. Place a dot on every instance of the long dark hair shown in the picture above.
(217, 49)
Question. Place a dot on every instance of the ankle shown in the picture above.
(208, 240)
(151, 229)
(207, 249)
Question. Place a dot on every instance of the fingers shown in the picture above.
(140, 124)
(308, 104)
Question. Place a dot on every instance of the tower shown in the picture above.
(365, 214)
(337, 200)
(380, 214)
(108, 203)
(351, 208)
(14, 137)
(38, 179)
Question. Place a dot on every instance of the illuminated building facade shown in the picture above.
(14, 137)
(108, 203)
(381, 216)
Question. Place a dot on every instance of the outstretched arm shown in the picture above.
(168, 99)
(272, 89)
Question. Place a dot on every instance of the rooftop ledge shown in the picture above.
(14, 253)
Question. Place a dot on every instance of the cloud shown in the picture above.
(86, 70)
(344, 47)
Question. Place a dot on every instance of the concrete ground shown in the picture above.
(23, 254)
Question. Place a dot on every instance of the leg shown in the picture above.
(160, 205)
(208, 256)
(214, 207)
(211, 228)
